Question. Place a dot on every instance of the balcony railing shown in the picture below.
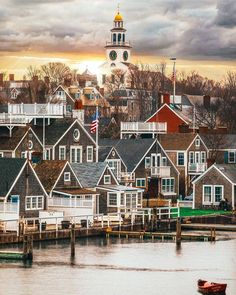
(37, 110)
(120, 43)
(10, 119)
(9, 207)
(74, 202)
(141, 127)
(197, 167)
(162, 171)
(127, 176)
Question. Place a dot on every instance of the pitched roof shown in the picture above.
(131, 151)
(89, 173)
(10, 143)
(9, 170)
(54, 131)
(229, 170)
(75, 191)
(176, 141)
(223, 141)
(48, 172)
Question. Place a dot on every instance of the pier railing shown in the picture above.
(56, 223)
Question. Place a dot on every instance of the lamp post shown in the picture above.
(173, 77)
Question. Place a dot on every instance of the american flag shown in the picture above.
(94, 124)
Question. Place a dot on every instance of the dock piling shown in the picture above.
(72, 240)
(178, 231)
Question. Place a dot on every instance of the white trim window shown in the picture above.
(191, 158)
(115, 166)
(180, 159)
(47, 154)
(34, 202)
(207, 194)
(140, 198)
(147, 162)
(231, 157)
(76, 154)
(112, 200)
(197, 143)
(90, 153)
(213, 194)
(107, 179)
(62, 152)
(67, 176)
(140, 182)
(203, 157)
(168, 185)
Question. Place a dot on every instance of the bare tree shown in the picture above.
(33, 71)
(56, 72)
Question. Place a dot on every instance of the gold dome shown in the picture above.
(118, 17)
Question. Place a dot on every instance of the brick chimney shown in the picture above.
(11, 77)
(207, 101)
(166, 98)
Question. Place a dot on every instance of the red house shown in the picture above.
(172, 117)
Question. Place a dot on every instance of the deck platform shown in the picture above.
(201, 226)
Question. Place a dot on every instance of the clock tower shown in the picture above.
(118, 49)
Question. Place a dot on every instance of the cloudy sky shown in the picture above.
(200, 33)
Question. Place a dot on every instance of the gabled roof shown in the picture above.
(176, 141)
(10, 168)
(89, 174)
(223, 141)
(131, 151)
(48, 172)
(226, 170)
(10, 143)
(54, 131)
(178, 114)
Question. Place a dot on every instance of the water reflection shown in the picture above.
(120, 266)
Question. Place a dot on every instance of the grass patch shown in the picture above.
(185, 212)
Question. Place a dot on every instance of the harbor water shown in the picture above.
(119, 267)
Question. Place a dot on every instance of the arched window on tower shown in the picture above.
(119, 37)
(114, 38)
(123, 37)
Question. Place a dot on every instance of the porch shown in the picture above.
(132, 128)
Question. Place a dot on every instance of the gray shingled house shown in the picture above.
(144, 164)
(21, 192)
(111, 196)
(217, 183)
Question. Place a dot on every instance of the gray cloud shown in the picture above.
(226, 15)
(193, 29)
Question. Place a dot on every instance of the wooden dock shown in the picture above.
(201, 226)
(159, 235)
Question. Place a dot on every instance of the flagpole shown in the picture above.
(97, 134)
(174, 77)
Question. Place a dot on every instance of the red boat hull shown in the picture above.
(211, 288)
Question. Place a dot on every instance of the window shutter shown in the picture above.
(226, 157)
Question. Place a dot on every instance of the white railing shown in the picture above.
(9, 207)
(126, 176)
(118, 43)
(74, 203)
(197, 167)
(10, 119)
(160, 127)
(78, 114)
(162, 171)
(45, 109)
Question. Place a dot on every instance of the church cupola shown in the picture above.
(118, 49)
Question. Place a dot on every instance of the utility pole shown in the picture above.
(173, 77)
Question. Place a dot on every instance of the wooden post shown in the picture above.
(178, 231)
(213, 234)
(72, 240)
(30, 247)
(25, 245)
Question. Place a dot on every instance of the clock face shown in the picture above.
(125, 55)
(113, 55)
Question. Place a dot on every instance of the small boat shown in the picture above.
(206, 287)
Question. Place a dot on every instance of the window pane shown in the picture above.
(207, 194)
(218, 193)
(180, 159)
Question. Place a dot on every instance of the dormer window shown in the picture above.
(67, 176)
